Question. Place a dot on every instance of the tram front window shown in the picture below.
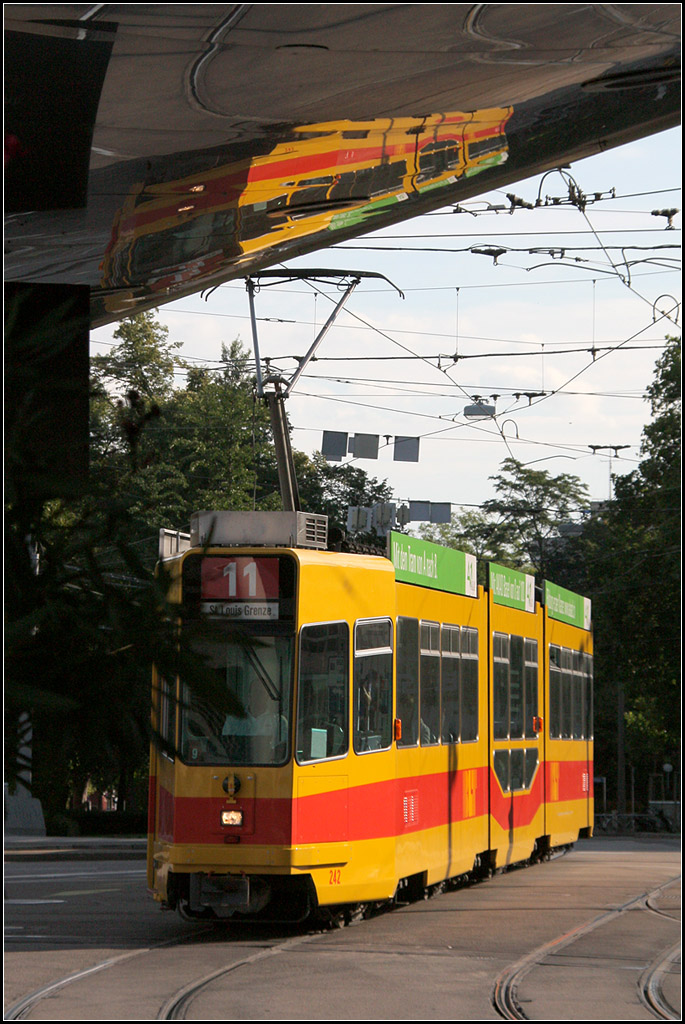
(256, 672)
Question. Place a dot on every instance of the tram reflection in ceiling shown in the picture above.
(204, 142)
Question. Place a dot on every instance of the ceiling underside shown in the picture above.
(157, 150)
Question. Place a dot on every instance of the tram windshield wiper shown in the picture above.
(256, 664)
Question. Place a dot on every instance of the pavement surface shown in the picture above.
(83, 941)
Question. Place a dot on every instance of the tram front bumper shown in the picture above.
(281, 859)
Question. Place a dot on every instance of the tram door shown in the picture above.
(569, 806)
(516, 700)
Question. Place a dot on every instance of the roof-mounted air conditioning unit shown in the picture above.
(259, 529)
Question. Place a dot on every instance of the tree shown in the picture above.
(143, 361)
(208, 449)
(171, 451)
(627, 560)
(78, 647)
(83, 631)
(530, 508)
(645, 525)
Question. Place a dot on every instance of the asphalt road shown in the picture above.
(570, 938)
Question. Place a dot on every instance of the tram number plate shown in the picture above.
(240, 579)
(334, 876)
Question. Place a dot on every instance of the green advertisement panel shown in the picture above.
(566, 606)
(512, 588)
(431, 565)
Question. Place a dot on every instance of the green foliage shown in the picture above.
(530, 506)
(207, 445)
(628, 561)
(78, 647)
(143, 361)
(522, 527)
(86, 617)
(330, 490)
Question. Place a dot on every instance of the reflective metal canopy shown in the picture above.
(152, 151)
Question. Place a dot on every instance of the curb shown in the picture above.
(36, 850)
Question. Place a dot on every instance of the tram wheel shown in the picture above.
(193, 915)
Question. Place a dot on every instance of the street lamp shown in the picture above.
(480, 410)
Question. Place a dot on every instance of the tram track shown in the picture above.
(176, 1006)
(651, 985)
(182, 998)
(505, 997)
(21, 1009)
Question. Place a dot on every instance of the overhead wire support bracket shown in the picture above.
(355, 277)
(275, 399)
(319, 338)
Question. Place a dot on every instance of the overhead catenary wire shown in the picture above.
(610, 348)
(560, 390)
(493, 436)
(392, 340)
(346, 327)
(434, 360)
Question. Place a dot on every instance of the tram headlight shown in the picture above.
(233, 817)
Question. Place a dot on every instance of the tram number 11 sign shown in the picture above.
(240, 588)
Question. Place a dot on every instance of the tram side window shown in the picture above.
(322, 711)
(531, 682)
(450, 731)
(469, 685)
(589, 696)
(566, 693)
(554, 691)
(408, 680)
(501, 765)
(515, 687)
(167, 715)
(578, 686)
(500, 695)
(531, 763)
(516, 682)
(515, 769)
(570, 694)
(459, 684)
(430, 684)
(372, 685)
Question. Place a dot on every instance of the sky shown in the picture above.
(566, 337)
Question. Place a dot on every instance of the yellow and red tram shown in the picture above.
(400, 726)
